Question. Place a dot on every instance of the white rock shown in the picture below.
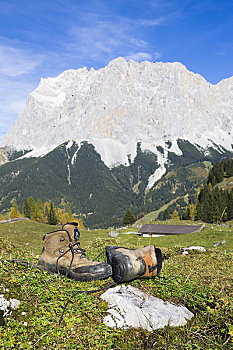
(14, 303)
(200, 249)
(130, 307)
(7, 306)
(4, 306)
(216, 244)
(185, 252)
(113, 234)
(130, 233)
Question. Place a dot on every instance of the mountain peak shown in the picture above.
(124, 102)
(118, 61)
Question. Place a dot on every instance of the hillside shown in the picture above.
(215, 198)
(226, 184)
(75, 176)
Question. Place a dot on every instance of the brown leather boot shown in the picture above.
(128, 264)
(62, 254)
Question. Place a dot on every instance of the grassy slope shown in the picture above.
(201, 281)
(226, 184)
(153, 215)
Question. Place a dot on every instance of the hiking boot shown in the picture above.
(128, 264)
(62, 254)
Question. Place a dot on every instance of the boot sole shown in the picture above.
(96, 272)
(122, 267)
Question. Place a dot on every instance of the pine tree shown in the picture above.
(204, 204)
(70, 216)
(214, 204)
(193, 211)
(14, 213)
(129, 217)
(26, 209)
(33, 208)
(52, 217)
(40, 211)
(175, 215)
(166, 215)
(47, 208)
(29, 208)
(187, 213)
(216, 213)
(230, 206)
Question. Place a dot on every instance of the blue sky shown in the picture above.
(41, 38)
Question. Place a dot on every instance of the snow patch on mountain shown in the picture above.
(113, 152)
(162, 159)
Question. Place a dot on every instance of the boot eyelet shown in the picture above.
(61, 251)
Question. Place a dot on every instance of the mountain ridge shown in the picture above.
(129, 135)
(122, 104)
(74, 176)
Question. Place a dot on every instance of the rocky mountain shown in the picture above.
(115, 107)
(134, 123)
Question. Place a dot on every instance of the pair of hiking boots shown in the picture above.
(62, 254)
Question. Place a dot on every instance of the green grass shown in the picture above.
(226, 184)
(200, 281)
(153, 215)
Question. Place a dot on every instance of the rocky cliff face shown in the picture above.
(123, 103)
(3, 157)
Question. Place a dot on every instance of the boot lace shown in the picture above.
(74, 248)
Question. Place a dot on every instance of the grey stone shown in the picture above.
(216, 244)
(6, 308)
(130, 307)
(200, 249)
(113, 234)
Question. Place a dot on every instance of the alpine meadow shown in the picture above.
(116, 175)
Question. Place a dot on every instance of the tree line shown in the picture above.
(215, 204)
(42, 212)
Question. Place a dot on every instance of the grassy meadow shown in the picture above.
(200, 281)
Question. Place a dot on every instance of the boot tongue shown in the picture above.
(72, 228)
(76, 234)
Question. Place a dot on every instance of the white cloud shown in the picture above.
(104, 40)
(15, 62)
(13, 96)
(18, 77)
(221, 53)
(151, 22)
(156, 55)
(142, 56)
(139, 56)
